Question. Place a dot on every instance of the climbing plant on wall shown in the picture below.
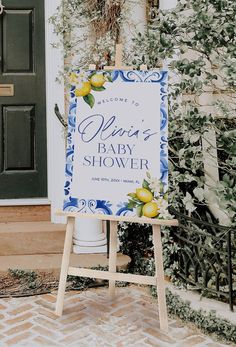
(197, 40)
(87, 31)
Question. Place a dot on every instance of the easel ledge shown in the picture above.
(143, 220)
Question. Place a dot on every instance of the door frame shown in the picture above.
(54, 95)
(29, 201)
(55, 140)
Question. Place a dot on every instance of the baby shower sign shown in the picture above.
(116, 160)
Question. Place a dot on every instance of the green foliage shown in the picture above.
(87, 32)
(28, 277)
(136, 241)
(80, 283)
(197, 40)
(83, 283)
(208, 322)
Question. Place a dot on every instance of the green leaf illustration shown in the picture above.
(93, 73)
(165, 196)
(109, 78)
(132, 195)
(145, 184)
(89, 99)
(139, 210)
(98, 89)
(131, 204)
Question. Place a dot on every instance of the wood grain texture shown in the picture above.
(31, 238)
(112, 276)
(25, 213)
(112, 257)
(65, 265)
(160, 281)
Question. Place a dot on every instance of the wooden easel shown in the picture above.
(111, 274)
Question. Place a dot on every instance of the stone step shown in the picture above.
(52, 262)
(42, 237)
(25, 213)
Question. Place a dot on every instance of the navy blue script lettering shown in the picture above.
(95, 126)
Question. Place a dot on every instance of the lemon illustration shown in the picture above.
(73, 78)
(97, 80)
(144, 195)
(150, 210)
(84, 89)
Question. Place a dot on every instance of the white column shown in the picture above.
(210, 161)
(167, 4)
(135, 21)
(89, 236)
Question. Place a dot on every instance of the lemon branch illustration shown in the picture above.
(150, 200)
(86, 82)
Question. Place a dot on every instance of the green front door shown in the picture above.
(23, 160)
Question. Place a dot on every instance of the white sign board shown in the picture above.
(117, 143)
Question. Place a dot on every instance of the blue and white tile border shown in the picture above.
(101, 206)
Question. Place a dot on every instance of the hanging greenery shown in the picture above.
(87, 32)
(197, 40)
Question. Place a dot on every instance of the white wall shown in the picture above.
(55, 94)
(135, 21)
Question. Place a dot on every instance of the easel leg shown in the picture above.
(160, 277)
(108, 236)
(65, 265)
(112, 256)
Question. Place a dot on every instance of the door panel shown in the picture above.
(23, 151)
(13, 43)
(18, 132)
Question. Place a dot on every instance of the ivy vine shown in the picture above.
(197, 40)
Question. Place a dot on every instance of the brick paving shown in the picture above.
(91, 319)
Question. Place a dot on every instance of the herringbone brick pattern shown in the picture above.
(90, 319)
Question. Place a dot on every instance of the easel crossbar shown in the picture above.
(115, 276)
